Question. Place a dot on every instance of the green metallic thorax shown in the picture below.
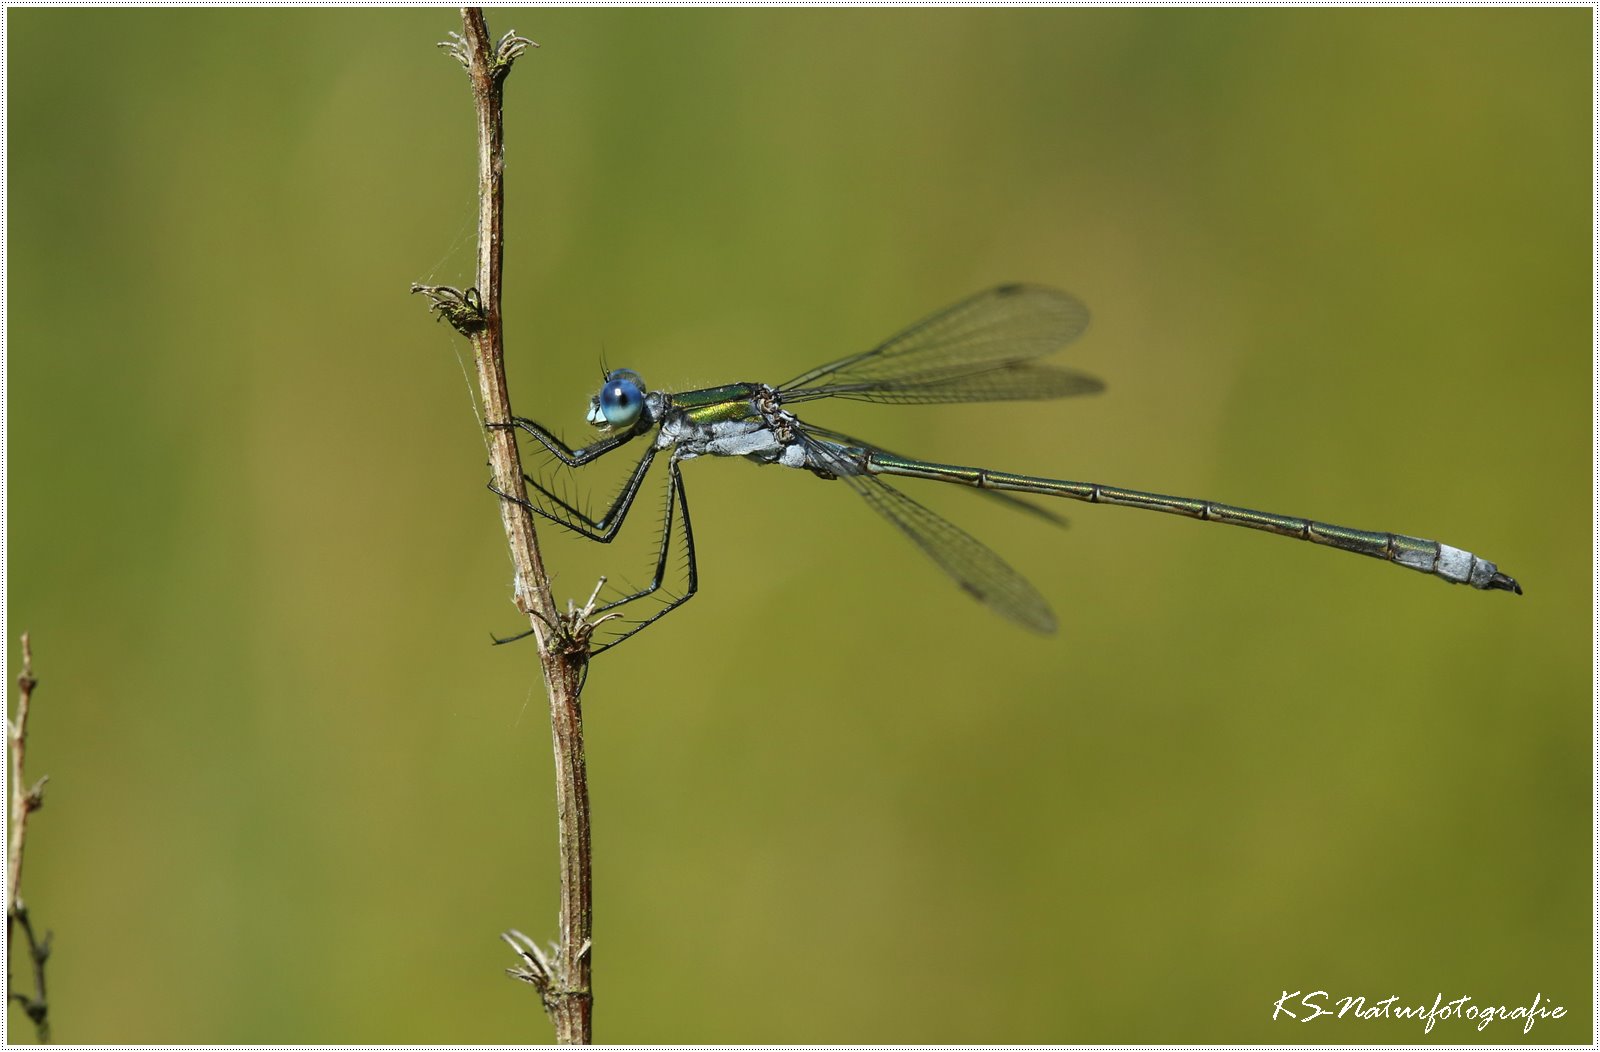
(715, 405)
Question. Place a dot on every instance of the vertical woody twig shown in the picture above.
(25, 800)
(562, 980)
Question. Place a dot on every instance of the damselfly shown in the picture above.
(983, 349)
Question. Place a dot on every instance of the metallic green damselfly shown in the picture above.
(983, 349)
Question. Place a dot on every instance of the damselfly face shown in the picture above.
(619, 401)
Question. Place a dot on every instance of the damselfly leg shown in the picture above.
(605, 528)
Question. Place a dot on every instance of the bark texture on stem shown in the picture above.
(562, 981)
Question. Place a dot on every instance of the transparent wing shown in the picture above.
(979, 350)
(997, 382)
(980, 572)
(1011, 500)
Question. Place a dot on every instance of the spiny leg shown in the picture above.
(572, 458)
(604, 529)
(675, 495)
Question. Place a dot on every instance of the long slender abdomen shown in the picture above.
(1430, 557)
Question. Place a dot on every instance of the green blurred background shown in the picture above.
(1340, 264)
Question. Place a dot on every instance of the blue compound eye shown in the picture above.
(621, 399)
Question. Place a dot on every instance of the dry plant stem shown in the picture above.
(25, 800)
(21, 798)
(566, 994)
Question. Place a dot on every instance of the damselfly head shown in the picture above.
(619, 402)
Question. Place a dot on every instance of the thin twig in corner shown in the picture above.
(38, 1005)
(562, 981)
(25, 800)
